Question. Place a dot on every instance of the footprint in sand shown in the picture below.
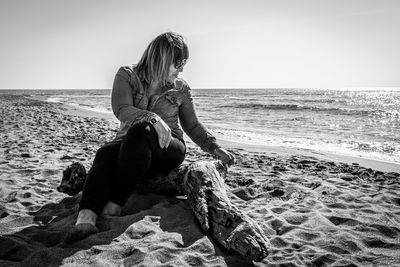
(341, 220)
(391, 232)
(11, 197)
(278, 210)
(26, 203)
(396, 201)
(307, 236)
(278, 242)
(373, 242)
(295, 219)
(26, 195)
(280, 226)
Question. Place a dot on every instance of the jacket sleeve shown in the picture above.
(191, 125)
(122, 100)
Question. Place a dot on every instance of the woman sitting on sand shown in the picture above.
(147, 98)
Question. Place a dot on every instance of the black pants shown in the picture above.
(118, 166)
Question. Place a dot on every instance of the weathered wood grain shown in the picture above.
(203, 184)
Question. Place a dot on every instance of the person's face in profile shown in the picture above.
(175, 69)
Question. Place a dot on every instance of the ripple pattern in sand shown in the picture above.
(320, 213)
(37, 142)
(315, 212)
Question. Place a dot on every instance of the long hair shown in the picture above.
(164, 50)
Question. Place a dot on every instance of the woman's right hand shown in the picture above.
(163, 132)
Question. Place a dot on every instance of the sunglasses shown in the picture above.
(180, 63)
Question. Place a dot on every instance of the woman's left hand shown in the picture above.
(225, 156)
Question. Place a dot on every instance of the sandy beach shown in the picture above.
(317, 209)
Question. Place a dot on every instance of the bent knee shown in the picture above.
(140, 129)
(106, 152)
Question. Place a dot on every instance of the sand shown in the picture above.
(316, 208)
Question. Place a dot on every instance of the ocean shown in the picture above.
(353, 122)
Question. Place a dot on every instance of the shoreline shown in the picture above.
(280, 150)
(327, 156)
(312, 210)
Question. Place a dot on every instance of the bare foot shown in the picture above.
(80, 231)
(86, 216)
(85, 225)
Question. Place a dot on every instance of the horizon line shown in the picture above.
(231, 88)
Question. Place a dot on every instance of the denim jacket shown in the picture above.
(131, 105)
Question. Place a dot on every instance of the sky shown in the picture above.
(80, 44)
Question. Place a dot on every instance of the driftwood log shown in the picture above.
(203, 184)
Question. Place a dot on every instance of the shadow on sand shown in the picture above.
(154, 229)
